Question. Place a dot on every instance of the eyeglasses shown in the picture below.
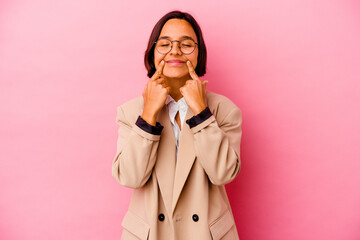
(187, 46)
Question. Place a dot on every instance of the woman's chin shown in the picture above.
(175, 74)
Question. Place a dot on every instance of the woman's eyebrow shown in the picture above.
(182, 37)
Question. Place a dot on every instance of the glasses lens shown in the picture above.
(187, 46)
(163, 46)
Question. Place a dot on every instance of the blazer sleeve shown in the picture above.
(217, 146)
(136, 153)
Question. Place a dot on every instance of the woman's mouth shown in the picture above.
(175, 63)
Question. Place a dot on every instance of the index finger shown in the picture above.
(158, 72)
(192, 72)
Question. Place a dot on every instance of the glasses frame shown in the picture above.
(196, 44)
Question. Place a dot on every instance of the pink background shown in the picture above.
(292, 67)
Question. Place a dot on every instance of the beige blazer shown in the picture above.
(181, 199)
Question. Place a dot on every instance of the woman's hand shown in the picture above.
(154, 94)
(194, 91)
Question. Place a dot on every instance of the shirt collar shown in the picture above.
(169, 99)
(181, 101)
(174, 106)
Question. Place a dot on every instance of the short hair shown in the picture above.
(149, 53)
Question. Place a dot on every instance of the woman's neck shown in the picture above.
(175, 84)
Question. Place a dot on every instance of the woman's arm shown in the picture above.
(136, 151)
(137, 143)
(217, 145)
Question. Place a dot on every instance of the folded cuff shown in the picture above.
(156, 130)
(199, 118)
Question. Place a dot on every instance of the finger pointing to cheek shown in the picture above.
(159, 70)
(192, 73)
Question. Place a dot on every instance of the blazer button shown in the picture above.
(195, 217)
(161, 217)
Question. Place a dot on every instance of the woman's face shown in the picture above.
(176, 29)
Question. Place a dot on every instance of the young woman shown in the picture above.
(178, 144)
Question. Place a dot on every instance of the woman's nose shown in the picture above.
(176, 48)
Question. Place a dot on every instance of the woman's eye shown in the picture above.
(165, 45)
(185, 45)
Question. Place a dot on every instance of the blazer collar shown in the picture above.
(165, 162)
(172, 175)
(185, 159)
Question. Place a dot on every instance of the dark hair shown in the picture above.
(149, 53)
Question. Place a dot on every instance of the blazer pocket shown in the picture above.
(135, 225)
(221, 226)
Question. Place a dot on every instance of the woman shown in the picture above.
(177, 170)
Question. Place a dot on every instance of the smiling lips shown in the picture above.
(175, 62)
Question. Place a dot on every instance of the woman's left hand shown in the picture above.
(194, 91)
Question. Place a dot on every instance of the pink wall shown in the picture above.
(291, 66)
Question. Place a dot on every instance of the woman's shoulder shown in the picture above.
(136, 102)
(220, 105)
(131, 109)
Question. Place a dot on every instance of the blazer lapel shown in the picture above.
(165, 165)
(185, 159)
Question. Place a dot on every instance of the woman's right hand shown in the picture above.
(154, 94)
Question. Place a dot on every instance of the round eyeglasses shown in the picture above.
(163, 46)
